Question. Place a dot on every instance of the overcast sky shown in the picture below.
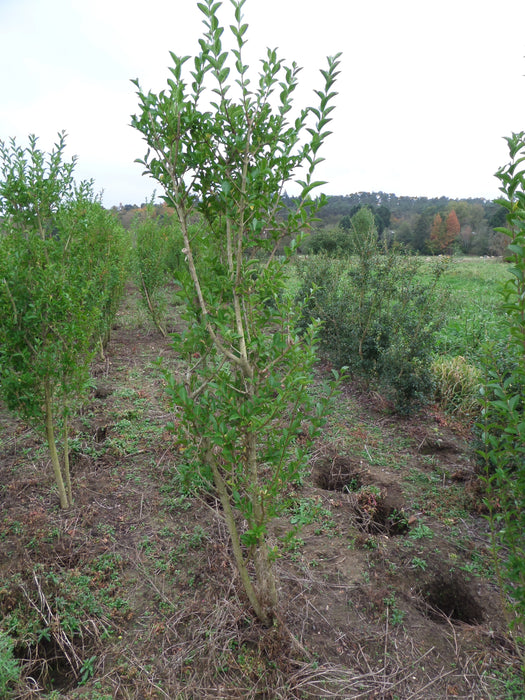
(427, 90)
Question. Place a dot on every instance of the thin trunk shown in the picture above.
(249, 588)
(67, 473)
(265, 576)
(153, 312)
(50, 435)
(266, 581)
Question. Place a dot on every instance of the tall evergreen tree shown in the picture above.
(422, 231)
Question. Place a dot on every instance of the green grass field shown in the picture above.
(472, 309)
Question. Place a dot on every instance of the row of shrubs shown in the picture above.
(380, 312)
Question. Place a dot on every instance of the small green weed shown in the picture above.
(191, 540)
(17, 528)
(398, 521)
(395, 615)
(291, 542)
(106, 529)
(306, 511)
(125, 393)
(507, 685)
(353, 485)
(479, 566)
(418, 563)
(87, 670)
(420, 532)
(172, 504)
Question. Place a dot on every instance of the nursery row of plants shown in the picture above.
(254, 318)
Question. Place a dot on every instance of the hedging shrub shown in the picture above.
(503, 425)
(62, 270)
(105, 252)
(223, 162)
(333, 243)
(379, 316)
(158, 254)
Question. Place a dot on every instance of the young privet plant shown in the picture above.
(504, 421)
(104, 254)
(31, 187)
(223, 147)
(158, 245)
(50, 292)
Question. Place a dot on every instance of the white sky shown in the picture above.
(427, 90)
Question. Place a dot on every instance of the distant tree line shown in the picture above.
(429, 226)
(425, 225)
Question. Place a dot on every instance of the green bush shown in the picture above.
(9, 668)
(62, 271)
(379, 318)
(333, 243)
(158, 257)
(223, 163)
(103, 247)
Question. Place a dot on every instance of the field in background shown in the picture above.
(472, 310)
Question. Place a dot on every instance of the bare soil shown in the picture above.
(387, 591)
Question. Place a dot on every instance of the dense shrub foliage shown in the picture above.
(158, 256)
(63, 263)
(378, 316)
(334, 243)
(105, 251)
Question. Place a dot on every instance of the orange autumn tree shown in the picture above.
(453, 227)
(444, 233)
(435, 242)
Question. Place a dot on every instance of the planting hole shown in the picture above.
(377, 513)
(447, 596)
(49, 665)
(336, 473)
(101, 433)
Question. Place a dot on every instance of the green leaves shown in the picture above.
(62, 270)
(503, 427)
(158, 257)
(223, 150)
(30, 187)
